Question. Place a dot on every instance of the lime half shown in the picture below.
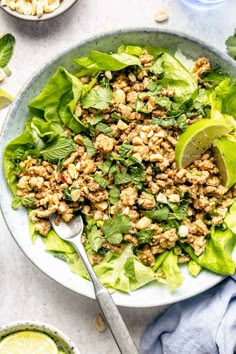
(5, 98)
(197, 138)
(28, 342)
(224, 150)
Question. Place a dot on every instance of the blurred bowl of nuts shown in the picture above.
(36, 10)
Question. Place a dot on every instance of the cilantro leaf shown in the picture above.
(91, 151)
(99, 98)
(114, 228)
(179, 212)
(231, 45)
(181, 122)
(144, 236)
(7, 43)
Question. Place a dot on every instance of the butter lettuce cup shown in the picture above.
(37, 336)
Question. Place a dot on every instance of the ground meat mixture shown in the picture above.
(145, 175)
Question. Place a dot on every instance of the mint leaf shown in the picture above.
(137, 175)
(100, 180)
(125, 148)
(105, 129)
(114, 228)
(231, 46)
(179, 212)
(105, 166)
(91, 151)
(95, 120)
(163, 101)
(114, 195)
(121, 178)
(58, 150)
(99, 98)
(166, 122)
(7, 43)
(159, 214)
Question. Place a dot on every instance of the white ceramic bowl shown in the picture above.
(17, 221)
(63, 342)
(64, 6)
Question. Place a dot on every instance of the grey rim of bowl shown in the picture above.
(41, 327)
(31, 18)
(88, 39)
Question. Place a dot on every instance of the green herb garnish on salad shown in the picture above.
(139, 145)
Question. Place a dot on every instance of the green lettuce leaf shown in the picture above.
(173, 75)
(217, 255)
(230, 219)
(102, 61)
(124, 271)
(229, 101)
(17, 149)
(44, 131)
(130, 49)
(54, 243)
(94, 238)
(57, 101)
(172, 272)
(194, 268)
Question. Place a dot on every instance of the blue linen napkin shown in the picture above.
(204, 324)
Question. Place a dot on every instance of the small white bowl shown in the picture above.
(64, 6)
(63, 342)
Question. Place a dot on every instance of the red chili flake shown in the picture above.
(63, 178)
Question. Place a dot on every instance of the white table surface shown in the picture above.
(25, 292)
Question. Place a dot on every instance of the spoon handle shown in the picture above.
(117, 326)
(111, 313)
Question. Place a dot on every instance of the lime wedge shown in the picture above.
(28, 342)
(224, 150)
(5, 98)
(197, 138)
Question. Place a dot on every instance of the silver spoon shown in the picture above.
(72, 232)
